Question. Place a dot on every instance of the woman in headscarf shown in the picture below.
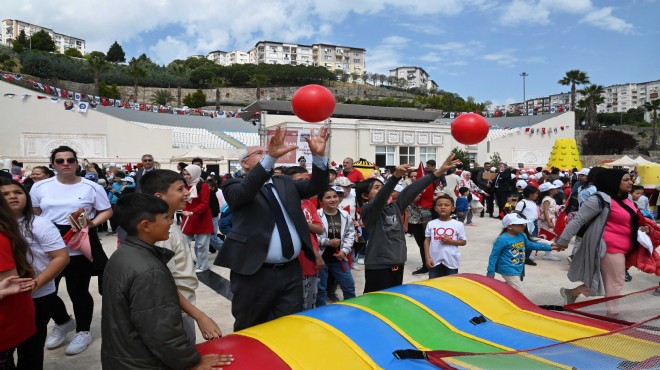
(466, 181)
(611, 233)
(197, 219)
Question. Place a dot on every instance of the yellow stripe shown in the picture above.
(503, 311)
(306, 343)
(390, 323)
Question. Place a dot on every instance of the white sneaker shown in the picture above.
(550, 257)
(59, 333)
(360, 261)
(356, 267)
(79, 343)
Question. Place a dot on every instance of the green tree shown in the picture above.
(7, 63)
(116, 54)
(161, 97)
(180, 72)
(574, 77)
(97, 64)
(137, 71)
(495, 159)
(21, 43)
(73, 52)
(259, 80)
(593, 95)
(41, 40)
(607, 142)
(108, 91)
(196, 99)
(653, 107)
(217, 83)
(462, 155)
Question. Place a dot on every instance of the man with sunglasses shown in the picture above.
(269, 231)
(147, 165)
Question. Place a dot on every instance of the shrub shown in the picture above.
(607, 142)
(195, 100)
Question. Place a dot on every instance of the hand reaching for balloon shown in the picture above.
(318, 142)
(276, 146)
(449, 163)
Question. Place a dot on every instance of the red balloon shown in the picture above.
(469, 129)
(313, 103)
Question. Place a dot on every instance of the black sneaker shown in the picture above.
(421, 270)
(628, 277)
(530, 262)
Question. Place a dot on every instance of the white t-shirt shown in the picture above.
(530, 211)
(46, 239)
(181, 265)
(57, 201)
(448, 255)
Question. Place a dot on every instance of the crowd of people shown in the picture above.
(290, 238)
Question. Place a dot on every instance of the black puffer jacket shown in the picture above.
(141, 322)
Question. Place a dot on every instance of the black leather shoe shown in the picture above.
(530, 262)
(420, 271)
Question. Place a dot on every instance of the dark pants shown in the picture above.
(266, 295)
(441, 270)
(113, 220)
(379, 279)
(31, 352)
(488, 201)
(501, 198)
(77, 273)
(417, 231)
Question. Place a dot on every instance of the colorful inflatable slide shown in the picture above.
(463, 321)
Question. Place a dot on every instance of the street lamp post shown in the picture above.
(524, 75)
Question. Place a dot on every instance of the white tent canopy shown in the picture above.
(641, 160)
(197, 152)
(623, 161)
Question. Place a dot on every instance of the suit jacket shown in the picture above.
(246, 246)
(138, 177)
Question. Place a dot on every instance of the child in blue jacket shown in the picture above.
(508, 255)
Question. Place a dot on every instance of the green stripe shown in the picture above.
(420, 325)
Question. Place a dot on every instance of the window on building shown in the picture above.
(407, 154)
(356, 60)
(384, 156)
(427, 153)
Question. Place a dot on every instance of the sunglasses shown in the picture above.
(68, 160)
(147, 160)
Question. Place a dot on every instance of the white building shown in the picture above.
(432, 85)
(344, 58)
(11, 28)
(238, 57)
(218, 57)
(416, 76)
(621, 98)
(271, 52)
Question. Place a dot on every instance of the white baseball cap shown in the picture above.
(584, 171)
(398, 188)
(524, 176)
(546, 186)
(343, 181)
(514, 219)
(521, 184)
(338, 189)
(558, 183)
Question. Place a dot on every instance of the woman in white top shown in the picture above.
(548, 212)
(55, 199)
(48, 258)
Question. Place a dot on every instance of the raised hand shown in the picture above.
(276, 146)
(402, 169)
(449, 163)
(318, 142)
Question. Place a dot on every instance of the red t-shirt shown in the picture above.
(16, 310)
(355, 176)
(309, 210)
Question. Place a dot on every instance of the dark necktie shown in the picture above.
(280, 221)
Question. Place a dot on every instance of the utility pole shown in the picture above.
(524, 75)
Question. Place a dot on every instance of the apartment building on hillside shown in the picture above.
(272, 52)
(344, 58)
(621, 98)
(11, 28)
(217, 57)
(416, 76)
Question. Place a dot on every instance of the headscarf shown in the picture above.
(195, 173)
(609, 182)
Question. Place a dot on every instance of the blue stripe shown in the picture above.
(374, 336)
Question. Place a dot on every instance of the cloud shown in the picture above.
(425, 28)
(521, 11)
(431, 57)
(504, 57)
(603, 18)
(171, 48)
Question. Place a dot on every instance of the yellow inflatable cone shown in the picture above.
(565, 155)
(364, 166)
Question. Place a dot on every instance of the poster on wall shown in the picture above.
(294, 138)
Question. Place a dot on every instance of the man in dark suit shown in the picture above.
(147, 165)
(504, 185)
(269, 231)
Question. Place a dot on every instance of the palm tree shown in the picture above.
(259, 80)
(593, 95)
(98, 65)
(180, 72)
(137, 72)
(382, 78)
(218, 82)
(574, 77)
(161, 97)
(374, 78)
(653, 106)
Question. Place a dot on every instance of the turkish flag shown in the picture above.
(426, 201)
(547, 234)
(129, 167)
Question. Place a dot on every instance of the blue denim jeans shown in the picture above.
(343, 277)
(216, 242)
(201, 250)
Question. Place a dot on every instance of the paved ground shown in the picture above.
(542, 285)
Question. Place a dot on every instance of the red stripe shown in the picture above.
(248, 353)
